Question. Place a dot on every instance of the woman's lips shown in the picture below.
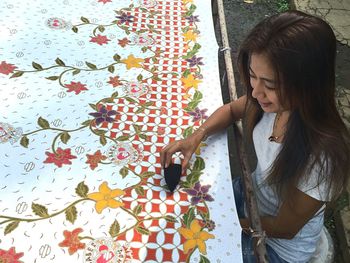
(264, 105)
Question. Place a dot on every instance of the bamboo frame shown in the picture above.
(258, 234)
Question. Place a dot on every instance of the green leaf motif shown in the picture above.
(116, 57)
(17, 74)
(124, 172)
(142, 230)
(84, 19)
(82, 189)
(193, 177)
(43, 123)
(199, 164)
(143, 136)
(186, 73)
(148, 103)
(75, 29)
(139, 110)
(65, 137)
(103, 140)
(90, 65)
(192, 105)
(114, 229)
(86, 123)
(100, 132)
(114, 94)
(71, 214)
(101, 28)
(140, 191)
(188, 217)
(137, 128)
(203, 259)
(53, 78)
(140, 77)
(147, 174)
(197, 95)
(170, 219)
(24, 141)
(37, 66)
(111, 68)
(204, 216)
(40, 210)
(93, 106)
(137, 210)
(130, 100)
(10, 227)
(188, 131)
(75, 72)
(60, 62)
(123, 138)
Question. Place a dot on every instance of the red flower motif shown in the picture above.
(94, 159)
(10, 256)
(114, 81)
(123, 42)
(6, 68)
(99, 39)
(61, 157)
(72, 241)
(77, 87)
(104, 1)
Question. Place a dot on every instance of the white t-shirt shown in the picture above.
(303, 245)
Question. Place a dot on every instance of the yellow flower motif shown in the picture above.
(187, 1)
(190, 36)
(190, 82)
(195, 237)
(198, 150)
(105, 197)
(132, 62)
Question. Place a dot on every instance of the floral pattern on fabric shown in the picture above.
(95, 185)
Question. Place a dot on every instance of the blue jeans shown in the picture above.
(247, 240)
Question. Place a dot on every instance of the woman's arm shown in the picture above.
(293, 214)
(219, 120)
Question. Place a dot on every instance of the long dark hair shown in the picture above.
(301, 48)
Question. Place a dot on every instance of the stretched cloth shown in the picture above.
(90, 92)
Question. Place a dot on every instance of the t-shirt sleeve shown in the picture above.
(315, 188)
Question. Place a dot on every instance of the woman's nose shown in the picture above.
(258, 89)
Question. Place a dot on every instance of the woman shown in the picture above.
(287, 64)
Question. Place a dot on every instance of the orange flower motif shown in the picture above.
(195, 237)
(190, 82)
(132, 62)
(94, 159)
(72, 241)
(105, 197)
(190, 36)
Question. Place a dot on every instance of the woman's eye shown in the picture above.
(270, 87)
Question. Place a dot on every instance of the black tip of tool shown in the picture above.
(172, 175)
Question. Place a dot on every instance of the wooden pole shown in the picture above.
(257, 232)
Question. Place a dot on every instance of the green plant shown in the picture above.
(282, 5)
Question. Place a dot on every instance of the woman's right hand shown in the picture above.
(186, 146)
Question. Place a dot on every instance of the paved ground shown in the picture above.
(242, 16)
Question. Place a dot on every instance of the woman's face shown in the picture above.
(262, 80)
